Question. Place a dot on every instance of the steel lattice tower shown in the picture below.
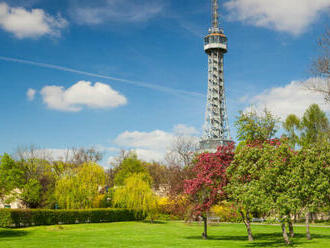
(216, 128)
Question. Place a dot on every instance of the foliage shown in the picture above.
(78, 189)
(292, 127)
(176, 177)
(310, 179)
(31, 193)
(11, 176)
(130, 165)
(275, 182)
(37, 217)
(251, 126)
(208, 186)
(314, 125)
(158, 174)
(226, 211)
(311, 175)
(98, 201)
(136, 194)
(176, 207)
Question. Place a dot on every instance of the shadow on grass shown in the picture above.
(7, 233)
(265, 239)
(154, 222)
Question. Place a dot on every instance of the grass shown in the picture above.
(162, 234)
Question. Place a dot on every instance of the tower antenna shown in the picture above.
(215, 15)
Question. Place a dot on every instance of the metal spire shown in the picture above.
(215, 15)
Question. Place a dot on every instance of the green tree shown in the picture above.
(314, 125)
(276, 182)
(243, 188)
(78, 189)
(11, 176)
(253, 127)
(136, 194)
(31, 194)
(292, 127)
(311, 179)
(130, 165)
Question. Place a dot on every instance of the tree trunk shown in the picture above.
(291, 228)
(308, 234)
(246, 220)
(285, 235)
(204, 234)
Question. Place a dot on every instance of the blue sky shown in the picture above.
(140, 70)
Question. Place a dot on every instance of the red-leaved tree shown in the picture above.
(207, 188)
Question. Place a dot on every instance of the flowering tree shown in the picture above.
(207, 188)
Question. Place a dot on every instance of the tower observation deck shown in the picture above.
(216, 129)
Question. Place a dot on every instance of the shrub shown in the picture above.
(227, 212)
(38, 217)
(175, 208)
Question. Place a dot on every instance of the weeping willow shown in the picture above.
(136, 194)
(78, 189)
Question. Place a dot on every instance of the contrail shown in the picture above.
(135, 83)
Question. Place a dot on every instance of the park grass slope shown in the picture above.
(162, 234)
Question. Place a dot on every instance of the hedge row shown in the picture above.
(38, 217)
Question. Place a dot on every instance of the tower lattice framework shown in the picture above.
(216, 128)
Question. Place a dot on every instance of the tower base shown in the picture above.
(211, 145)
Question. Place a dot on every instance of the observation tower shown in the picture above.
(216, 129)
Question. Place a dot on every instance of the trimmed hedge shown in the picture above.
(38, 217)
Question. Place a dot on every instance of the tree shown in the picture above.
(11, 176)
(251, 126)
(207, 187)
(31, 194)
(314, 125)
(130, 165)
(321, 66)
(310, 175)
(292, 127)
(84, 155)
(136, 194)
(260, 182)
(182, 151)
(158, 174)
(243, 188)
(78, 189)
(276, 182)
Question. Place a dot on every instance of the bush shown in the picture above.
(38, 217)
(174, 208)
(227, 212)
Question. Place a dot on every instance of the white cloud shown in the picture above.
(293, 98)
(30, 94)
(292, 16)
(128, 11)
(153, 146)
(32, 23)
(83, 93)
(149, 155)
(184, 130)
(156, 140)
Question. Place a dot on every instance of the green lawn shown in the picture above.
(167, 234)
